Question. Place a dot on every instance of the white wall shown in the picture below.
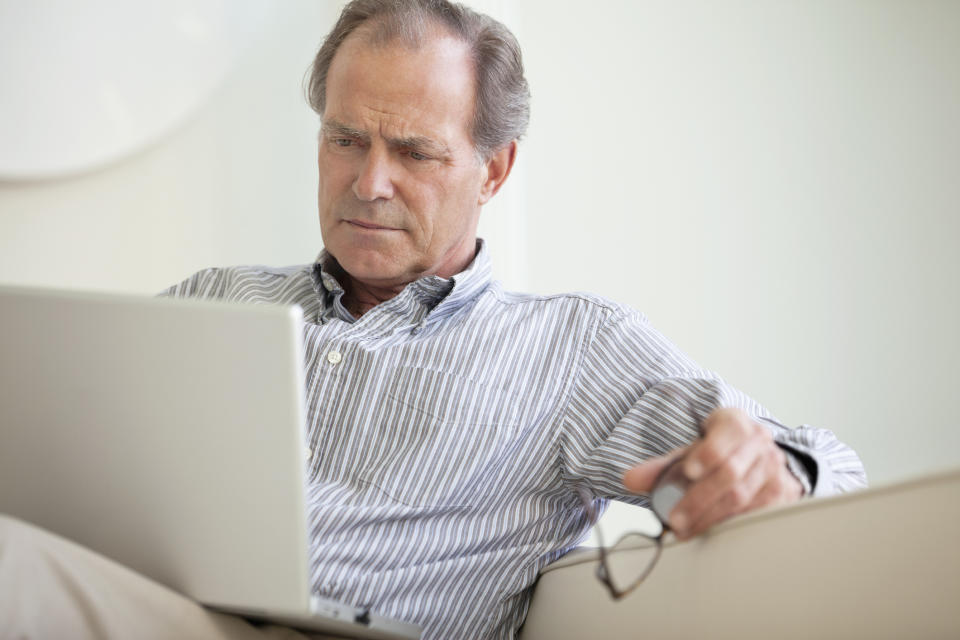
(773, 183)
(777, 185)
(235, 184)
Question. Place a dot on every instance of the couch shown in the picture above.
(879, 563)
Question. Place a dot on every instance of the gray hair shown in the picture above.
(502, 108)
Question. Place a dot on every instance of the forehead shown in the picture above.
(424, 90)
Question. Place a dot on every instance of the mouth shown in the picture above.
(363, 224)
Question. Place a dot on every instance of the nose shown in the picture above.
(375, 180)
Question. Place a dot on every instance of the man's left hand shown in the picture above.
(735, 467)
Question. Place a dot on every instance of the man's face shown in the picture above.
(400, 183)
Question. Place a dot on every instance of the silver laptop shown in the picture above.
(168, 435)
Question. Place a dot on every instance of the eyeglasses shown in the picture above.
(640, 554)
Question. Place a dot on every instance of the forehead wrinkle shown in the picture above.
(414, 139)
(397, 113)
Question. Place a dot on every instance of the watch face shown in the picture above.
(668, 490)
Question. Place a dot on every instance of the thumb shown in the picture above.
(641, 478)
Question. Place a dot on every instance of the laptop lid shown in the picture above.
(166, 434)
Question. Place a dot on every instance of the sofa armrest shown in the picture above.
(880, 563)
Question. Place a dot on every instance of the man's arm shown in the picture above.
(638, 398)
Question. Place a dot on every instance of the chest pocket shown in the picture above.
(438, 438)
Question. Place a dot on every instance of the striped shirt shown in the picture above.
(451, 427)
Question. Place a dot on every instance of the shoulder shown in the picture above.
(580, 303)
(248, 282)
(568, 317)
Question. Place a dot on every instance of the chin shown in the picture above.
(369, 265)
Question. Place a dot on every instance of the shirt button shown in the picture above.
(334, 357)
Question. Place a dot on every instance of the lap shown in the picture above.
(51, 587)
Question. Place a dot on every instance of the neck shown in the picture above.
(359, 297)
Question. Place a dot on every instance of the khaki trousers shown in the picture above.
(53, 588)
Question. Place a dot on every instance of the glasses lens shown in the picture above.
(631, 559)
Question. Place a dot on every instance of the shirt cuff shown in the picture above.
(802, 466)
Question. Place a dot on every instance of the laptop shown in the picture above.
(168, 435)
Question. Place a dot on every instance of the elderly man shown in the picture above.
(453, 425)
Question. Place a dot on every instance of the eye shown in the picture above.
(416, 155)
(342, 142)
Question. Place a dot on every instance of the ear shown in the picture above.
(497, 169)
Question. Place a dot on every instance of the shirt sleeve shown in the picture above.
(637, 396)
(208, 283)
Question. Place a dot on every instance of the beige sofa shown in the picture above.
(881, 563)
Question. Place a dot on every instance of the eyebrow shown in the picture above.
(418, 143)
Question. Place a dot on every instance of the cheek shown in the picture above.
(464, 196)
(331, 167)
(332, 180)
(327, 196)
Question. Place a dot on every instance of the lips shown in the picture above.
(363, 224)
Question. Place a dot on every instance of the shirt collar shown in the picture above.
(441, 296)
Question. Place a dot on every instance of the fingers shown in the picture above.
(724, 431)
(737, 467)
(641, 478)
